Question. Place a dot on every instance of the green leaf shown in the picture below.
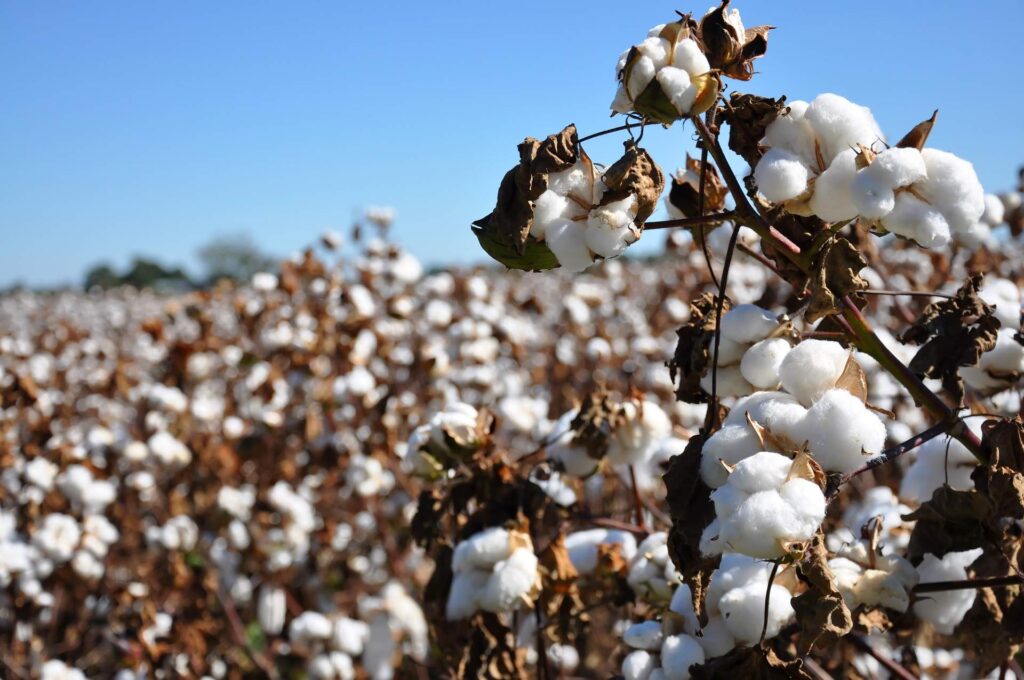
(536, 256)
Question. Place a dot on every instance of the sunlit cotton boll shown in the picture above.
(945, 609)
(841, 432)
(940, 462)
(811, 368)
(637, 439)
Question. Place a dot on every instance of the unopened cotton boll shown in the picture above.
(811, 368)
(945, 609)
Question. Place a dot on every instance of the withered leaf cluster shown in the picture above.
(684, 193)
(634, 173)
(820, 611)
(730, 48)
(953, 333)
(835, 274)
(748, 116)
(693, 355)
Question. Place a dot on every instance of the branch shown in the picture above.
(968, 584)
(890, 665)
(898, 450)
(690, 221)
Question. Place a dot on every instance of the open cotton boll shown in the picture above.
(841, 432)
(657, 49)
(652, 574)
(945, 609)
(832, 200)
(811, 368)
(690, 58)
(577, 180)
(640, 76)
(995, 212)
(939, 461)
(729, 445)
(792, 131)
(510, 582)
(839, 124)
(678, 653)
(644, 635)
(781, 175)
(734, 570)
(715, 638)
(729, 351)
(760, 364)
(549, 207)
(638, 665)
(873, 195)
(1004, 295)
(742, 609)
(1000, 367)
(309, 627)
(568, 241)
(582, 546)
(636, 439)
(464, 594)
(756, 405)
(682, 604)
(482, 550)
(897, 167)
(610, 227)
(914, 219)
(675, 83)
(747, 324)
(728, 382)
(759, 512)
(953, 188)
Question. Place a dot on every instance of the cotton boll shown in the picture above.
(760, 364)
(743, 611)
(760, 472)
(638, 665)
(621, 103)
(729, 445)
(463, 595)
(657, 49)
(792, 131)
(548, 208)
(577, 180)
(610, 227)
(897, 167)
(510, 582)
(781, 175)
(582, 546)
(805, 497)
(945, 609)
(760, 525)
(309, 627)
(729, 351)
(873, 195)
(841, 432)
(716, 639)
(914, 219)
(839, 124)
(756, 406)
(690, 58)
(812, 367)
(682, 604)
(678, 653)
(675, 83)
(1005, 297)
(644, 635)
(270, 609)
(636, 439)
(482, 550)
(350, 635)
(994, 211)
(568, 241)
(832, 200)
(747, 324)
(953, 188)
(640, 76)
(734, 571)
(728, 382)
(939, 462)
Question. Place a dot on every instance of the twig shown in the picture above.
(747, 250)
(768, 602)
(968, 584)
(710, 420)
(815, 669)
(239, 631)
(610, 523)
(638, 503)
(890, 665)
(908, 293)
(595, 135)
(898, 450)
(689, 221)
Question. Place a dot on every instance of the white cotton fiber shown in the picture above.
(568, 241)
(730, 445)
(728, 382)
(812, 367)
(582, 546)
(548, 208)
(1004, 295)
(841, 432)
(678, 653)
(481, 550)
(939, 461)
(640, 76)
(729, 351)
(675, 83)
(747, 324)
(832, 200)
(755, 405)
(716, 639)
(760, 472)
(462, 596)
(839, 124)
(792, 131)
(682, 604)
(995, 212)
(897, 167)
(781, 175)
(644, 635)
(761, 363)
(610, 227)
(873, 196)
(577, 180)
(953, 188)
(510, 581)
(914, 219)
(743, 610)
(655, 48)
(638, 665)
(690, 58)
(945, 609)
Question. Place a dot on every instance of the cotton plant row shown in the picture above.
(858, 379)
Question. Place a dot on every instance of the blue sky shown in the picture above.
(130, 127)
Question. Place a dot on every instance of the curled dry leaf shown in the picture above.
(684, 194)
(729, 47)
(821, 613)
(692, 358)
(836, 273)
(951, 521)
(953, 333)
(754, 663)
(747, 116)
(634, 173)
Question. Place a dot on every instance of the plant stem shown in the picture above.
(609, 131)
(968, 584)
(768, 601)
(890, 665)
(898, 450)
(689, 221)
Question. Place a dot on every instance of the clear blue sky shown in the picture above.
(151, 127)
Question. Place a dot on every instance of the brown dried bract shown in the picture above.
(747, 116)
(684, 193)
(634, 173)
(836, 273)
(820, 611)
(729, 47)
(692, 358)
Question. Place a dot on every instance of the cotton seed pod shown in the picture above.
(683, 198)
(730, 47)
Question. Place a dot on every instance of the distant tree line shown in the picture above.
(235, 258)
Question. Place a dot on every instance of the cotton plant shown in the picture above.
(494, 571)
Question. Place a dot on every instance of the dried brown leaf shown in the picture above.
(820, 611)
(634, 173)
(836, 273)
